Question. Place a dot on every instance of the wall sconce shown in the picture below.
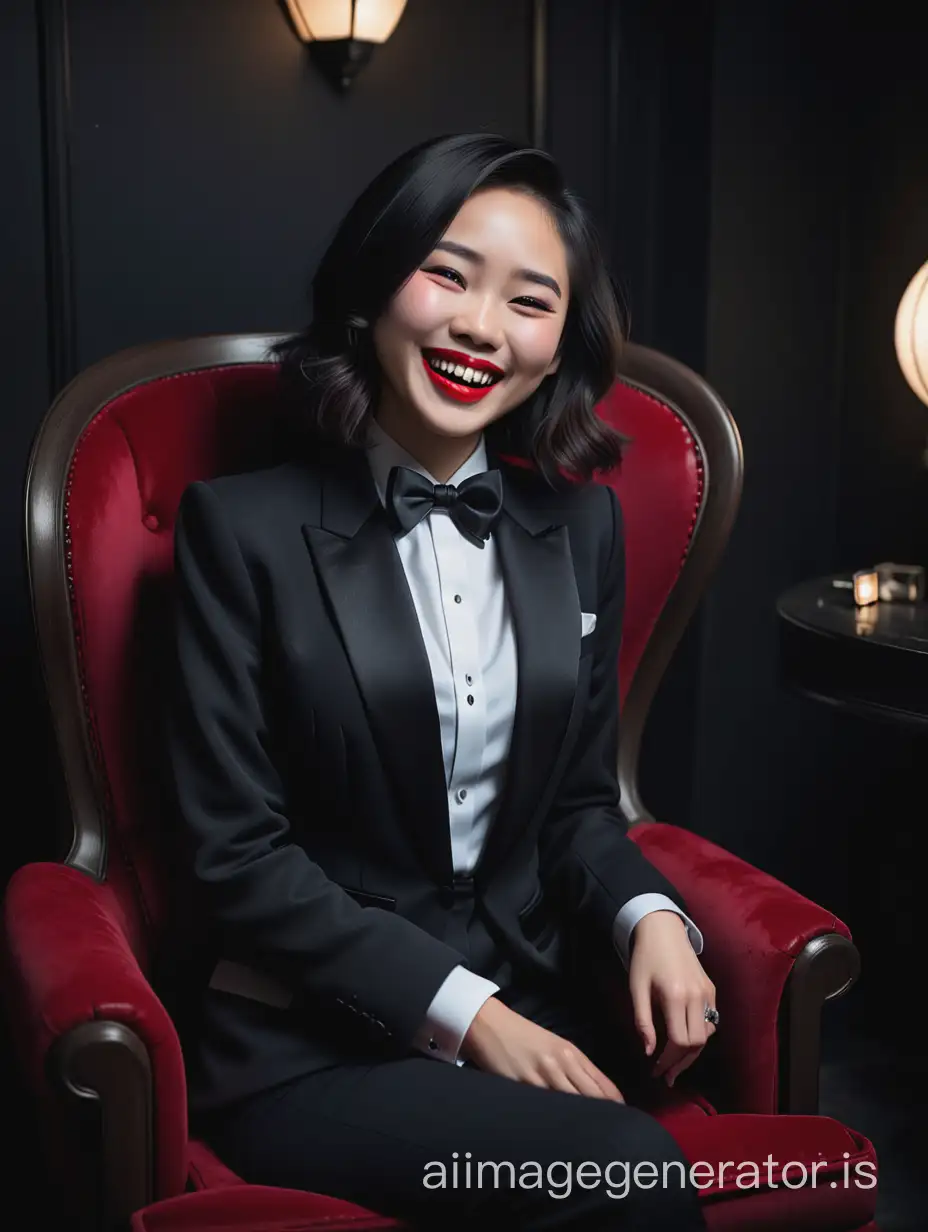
(912, 334)
(343, 34)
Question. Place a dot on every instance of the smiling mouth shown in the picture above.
(462, 369)
(460, 376)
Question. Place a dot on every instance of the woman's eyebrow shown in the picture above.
(460, 250)
(469, 254)
(544, 280)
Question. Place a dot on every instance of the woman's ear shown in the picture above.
(554, 365)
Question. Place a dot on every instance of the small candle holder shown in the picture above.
(866, 587)
(900, 583)
(886, 583)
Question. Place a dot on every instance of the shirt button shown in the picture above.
(457, 598)
(462, 795)
(470, 699)
(469, 679)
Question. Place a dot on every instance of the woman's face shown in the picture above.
(476, 329)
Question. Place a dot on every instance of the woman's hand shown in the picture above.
(665, 970)
(503, 1042)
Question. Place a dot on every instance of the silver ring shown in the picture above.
(712, 1016)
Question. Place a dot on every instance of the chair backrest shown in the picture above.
(108, 467)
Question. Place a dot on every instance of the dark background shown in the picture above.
(760, 174)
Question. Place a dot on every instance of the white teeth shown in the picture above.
(467, 375)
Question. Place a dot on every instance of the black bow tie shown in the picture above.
(474, 507)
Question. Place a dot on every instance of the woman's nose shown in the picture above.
(478, 325)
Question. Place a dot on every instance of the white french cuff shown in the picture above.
(454, 1007)
(634, 912)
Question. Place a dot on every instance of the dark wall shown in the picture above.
(24, 354)
(778, 184)
(882, 475)
(759, 174)
(819, 217)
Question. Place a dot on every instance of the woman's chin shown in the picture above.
(450, 419)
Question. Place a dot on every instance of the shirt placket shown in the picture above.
(460, 610)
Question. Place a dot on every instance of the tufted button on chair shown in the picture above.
(89, 945)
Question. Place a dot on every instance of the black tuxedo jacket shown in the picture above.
(306, 761)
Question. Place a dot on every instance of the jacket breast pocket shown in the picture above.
(366, 899)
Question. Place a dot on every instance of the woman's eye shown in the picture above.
(529, 301)
(445, 271)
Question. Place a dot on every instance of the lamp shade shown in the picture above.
(369, 21)
(912, 334)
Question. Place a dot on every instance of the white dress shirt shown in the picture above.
(459, 596)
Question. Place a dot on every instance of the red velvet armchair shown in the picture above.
(85, 940)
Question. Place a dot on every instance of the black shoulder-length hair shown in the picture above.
(384, 238)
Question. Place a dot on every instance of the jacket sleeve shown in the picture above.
(268, 903)
(587, 858)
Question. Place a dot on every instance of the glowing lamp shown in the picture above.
(343, 34)
(912, 334)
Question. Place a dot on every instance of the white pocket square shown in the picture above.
(587, 623)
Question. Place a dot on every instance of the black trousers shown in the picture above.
(443, 1146)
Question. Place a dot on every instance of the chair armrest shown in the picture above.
(774, 956)
(83, 1016)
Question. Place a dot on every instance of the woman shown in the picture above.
(394, 732)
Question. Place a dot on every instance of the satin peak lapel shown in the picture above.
(362, 575)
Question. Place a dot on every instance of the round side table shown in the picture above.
(871, 661)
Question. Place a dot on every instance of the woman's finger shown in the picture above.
(640, 989)
(602, 1081)
(683, 1064)
(696, 1020)
(563, 1074)
(678, 1039)
(585, 1083)
(699, 1030)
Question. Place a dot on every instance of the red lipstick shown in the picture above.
(455, 388)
